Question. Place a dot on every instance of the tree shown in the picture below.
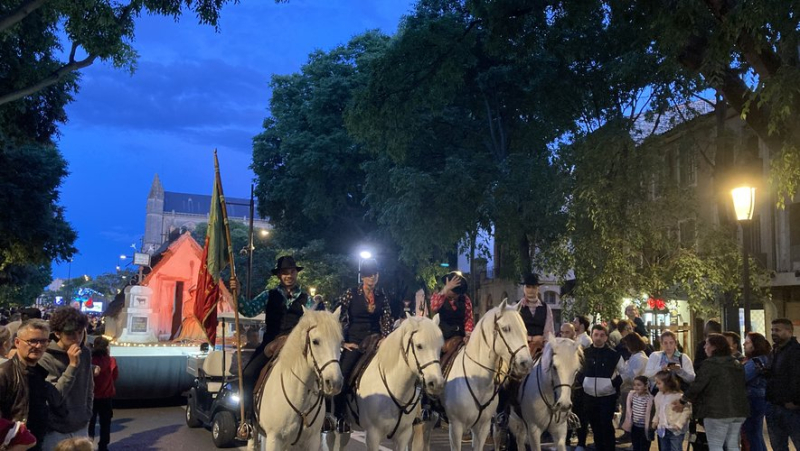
(30, 281)
(462, 136)
(33, 232)
(101, 29)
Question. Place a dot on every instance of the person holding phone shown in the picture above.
(669, 358)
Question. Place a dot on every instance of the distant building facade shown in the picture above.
(169, 212)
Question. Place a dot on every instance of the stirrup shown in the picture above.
(329, 423)
(342, 426)
(501, 420)
(426, 413)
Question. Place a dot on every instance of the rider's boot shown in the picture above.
(342, 426)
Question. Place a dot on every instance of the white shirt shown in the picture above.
(584, 340)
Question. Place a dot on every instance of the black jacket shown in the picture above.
(601, 371)
(719, 390)
(356, 295)
(14, 388)
(783, 384)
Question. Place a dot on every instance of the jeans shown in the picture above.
(782, 424)
(102, 409)
(600, 411)
(670, 441)
(723, 433)
(53, 438)
(639, 439)
(753, 427)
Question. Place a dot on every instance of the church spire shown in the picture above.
(156, 189)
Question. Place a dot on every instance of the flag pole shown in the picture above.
(242, 431)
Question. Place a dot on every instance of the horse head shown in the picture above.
(562, 358)
(422, 344)
(321, 335)
(509, 337)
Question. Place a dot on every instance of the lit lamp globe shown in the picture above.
(365, 255)
(744, 201)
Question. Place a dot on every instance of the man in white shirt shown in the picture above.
(581, 327)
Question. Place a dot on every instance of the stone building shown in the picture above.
(169, 212)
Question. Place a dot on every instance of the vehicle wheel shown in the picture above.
(223, 429)
(191, 413)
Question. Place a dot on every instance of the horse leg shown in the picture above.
(403, 438)
(273, 443)
(456, 434)
(419, 438)
(479, 434)
(559, 433)
(534, 438)
(373, 439)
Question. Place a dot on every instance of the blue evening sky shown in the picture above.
(194, 90)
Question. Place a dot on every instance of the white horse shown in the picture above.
(306, 370)
(498, 345)
(545, 396)
(389, 392)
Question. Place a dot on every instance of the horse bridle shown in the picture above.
(498, 373)
(317, 405)
(420, 368)
(550, 406)
(416, 396)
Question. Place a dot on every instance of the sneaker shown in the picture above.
(342, 426)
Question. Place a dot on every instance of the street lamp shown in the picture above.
(364, 255)
(744, 200)
(264, 232)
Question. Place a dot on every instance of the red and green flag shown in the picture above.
(215, 259)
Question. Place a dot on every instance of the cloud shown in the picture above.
(197, 100)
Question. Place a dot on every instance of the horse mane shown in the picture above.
(424, 327)
(328, 326)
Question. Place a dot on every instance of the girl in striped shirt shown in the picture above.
(638, 413)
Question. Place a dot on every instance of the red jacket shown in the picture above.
(104, 382)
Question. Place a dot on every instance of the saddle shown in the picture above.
(271, 351)
(368, 347)
(449, 352)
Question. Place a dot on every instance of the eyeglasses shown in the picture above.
(36, 342)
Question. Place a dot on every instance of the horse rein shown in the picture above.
(416, 396)
(498, 373)
(550, 406)
(304, 416)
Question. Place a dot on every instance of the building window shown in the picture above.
(688, 167)
(550, 297)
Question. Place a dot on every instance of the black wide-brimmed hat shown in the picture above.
(285, 262)
(531, 279)
(461, 289)
(369, 267)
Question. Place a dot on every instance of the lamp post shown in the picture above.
(744, 200)
(363, 255)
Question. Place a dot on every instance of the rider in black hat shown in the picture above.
(366, 317)
(282, 308)
(454, 307)
(537, 316)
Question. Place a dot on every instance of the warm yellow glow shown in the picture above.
(744, 201)
(264, 232)
(312, 291)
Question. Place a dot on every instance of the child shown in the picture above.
(670, 425)
(638, 414)
(105, 373)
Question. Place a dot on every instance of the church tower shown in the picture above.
(155, 217)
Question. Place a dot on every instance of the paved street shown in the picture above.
(163, 428)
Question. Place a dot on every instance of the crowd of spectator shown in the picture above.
(663, 395)
(56, 378)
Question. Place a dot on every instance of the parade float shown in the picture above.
(152, 327)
